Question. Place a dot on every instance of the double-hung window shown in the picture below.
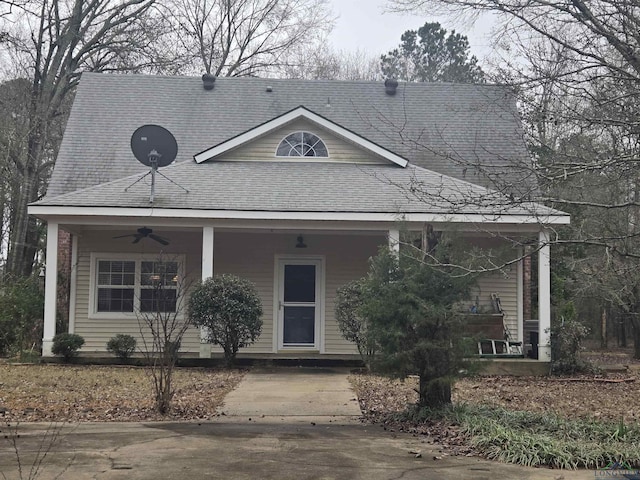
(124, 284)
(116, 285)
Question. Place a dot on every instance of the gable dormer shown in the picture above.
(300, 136)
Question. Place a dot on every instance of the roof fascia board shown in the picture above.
(299, 112)
(47, 211)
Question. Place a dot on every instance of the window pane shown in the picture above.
(157, 300)
(299, 283)
(159, 273)
(116, 272)
(321, 150)
(115, 300)
(283, 149)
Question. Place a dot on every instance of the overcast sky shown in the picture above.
(364, 25)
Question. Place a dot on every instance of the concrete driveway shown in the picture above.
(278, 451)
(292, 424)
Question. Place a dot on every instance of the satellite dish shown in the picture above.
(154, 146)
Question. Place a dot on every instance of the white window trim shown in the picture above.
(320, 261)
(95, 257)
(302, 158)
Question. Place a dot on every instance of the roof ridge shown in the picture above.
(297, 80)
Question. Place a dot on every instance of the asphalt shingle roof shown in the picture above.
(445, 128)
(301, 187)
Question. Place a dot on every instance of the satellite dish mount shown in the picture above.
(155, 147)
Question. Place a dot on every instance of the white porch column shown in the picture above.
(50, 289)
(207, 252)
(394, 240)
(72, 283)
(544, 297)
(207, 272)
(520, 293)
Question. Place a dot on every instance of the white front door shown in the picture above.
(299, 303)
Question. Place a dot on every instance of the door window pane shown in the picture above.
(300, 283)
(299, 325)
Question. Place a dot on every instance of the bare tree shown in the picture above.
(246, 37)
(319, 62)
(49, 43)
(162, 322)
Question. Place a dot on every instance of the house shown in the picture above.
(292, 184)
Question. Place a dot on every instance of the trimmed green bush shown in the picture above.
(67, 345)
(230, 309)
(122, 346)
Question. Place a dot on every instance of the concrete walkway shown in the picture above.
(293, 394)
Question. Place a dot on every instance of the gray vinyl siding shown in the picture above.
(264, 148)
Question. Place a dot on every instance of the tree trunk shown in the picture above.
(434, 393)
(603, 329)
(635, 321)
(622, 334)
(24, 233)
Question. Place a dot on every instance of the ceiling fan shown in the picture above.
(145, 232)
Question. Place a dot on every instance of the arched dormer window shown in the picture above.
(302, 144)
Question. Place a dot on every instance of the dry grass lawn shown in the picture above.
(79, 393)
(105, 393)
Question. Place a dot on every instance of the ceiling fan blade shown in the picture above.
(138, 238)
(159, 239)
(123, 236)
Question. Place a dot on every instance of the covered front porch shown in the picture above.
(277, 256)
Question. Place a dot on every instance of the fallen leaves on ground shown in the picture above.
(31, 393)
(587, 398)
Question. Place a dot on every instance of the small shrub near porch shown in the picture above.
(230, 309)
(122, 346)
(67, 345)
